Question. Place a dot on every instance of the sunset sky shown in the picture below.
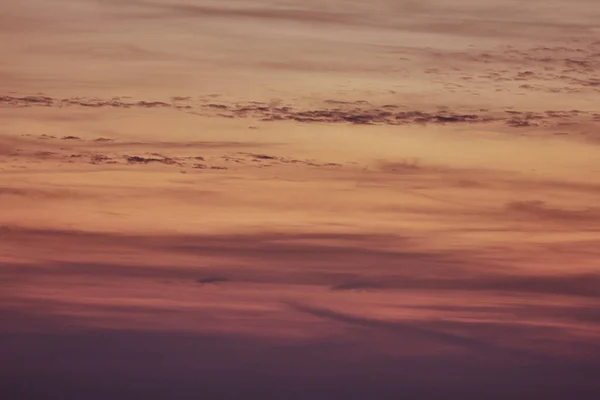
(299, 199)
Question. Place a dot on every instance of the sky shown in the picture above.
(286, 199)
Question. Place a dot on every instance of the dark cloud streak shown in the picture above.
(356, 113)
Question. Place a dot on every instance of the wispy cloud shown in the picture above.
(337, 262)
(331, 112)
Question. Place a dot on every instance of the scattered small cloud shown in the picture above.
(331, 111)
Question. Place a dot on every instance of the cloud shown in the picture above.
(330, 112)
(556, 312)
(540, 210)
(102, 151)
(404, 328)
(160, 10)
(103, 319)
(337, 262)
(39, 194)
(116, 102)
(572, 284)
(437, 176)
(154, 158)
(359, 113)
(265, 258)
(26, 101)
(265, 159)
(489, 339)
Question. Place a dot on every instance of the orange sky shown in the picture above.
(347, 184)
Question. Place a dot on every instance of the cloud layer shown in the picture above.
(293, 199)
